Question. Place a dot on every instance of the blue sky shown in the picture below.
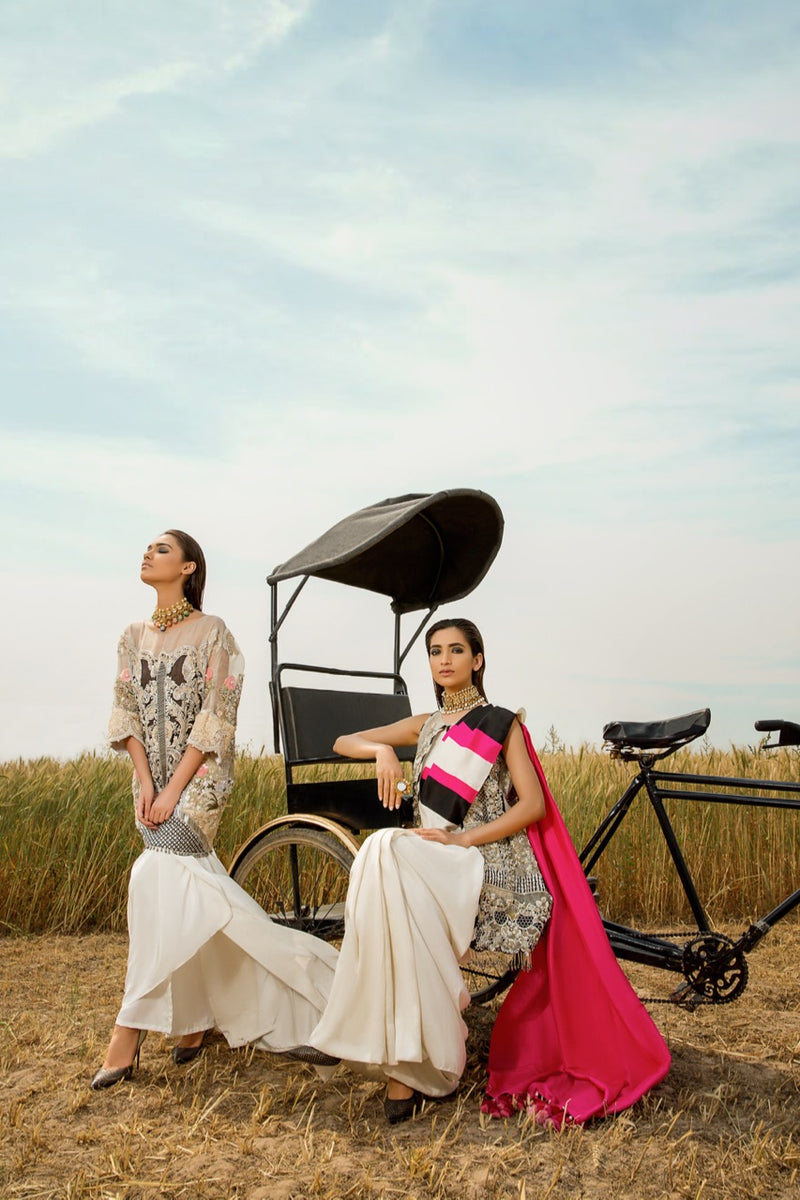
(266, 262)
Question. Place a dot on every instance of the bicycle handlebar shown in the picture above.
(788, 732)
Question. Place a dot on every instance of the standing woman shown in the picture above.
(202, 954)
(478, 870)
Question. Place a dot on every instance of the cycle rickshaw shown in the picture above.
(420, 551)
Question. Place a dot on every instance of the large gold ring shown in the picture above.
(401, 786)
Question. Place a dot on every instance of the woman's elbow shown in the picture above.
(536, 809)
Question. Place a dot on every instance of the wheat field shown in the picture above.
(247, 1125)
(67, 838)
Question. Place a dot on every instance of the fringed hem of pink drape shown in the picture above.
(572, 1040)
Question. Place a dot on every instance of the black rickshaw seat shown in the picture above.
(311, 720)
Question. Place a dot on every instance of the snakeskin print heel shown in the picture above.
(106, 1077)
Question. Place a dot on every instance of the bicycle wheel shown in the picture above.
(299, 876)
(487, 973)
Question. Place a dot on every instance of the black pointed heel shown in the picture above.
(397, 1111)
(186, 1054)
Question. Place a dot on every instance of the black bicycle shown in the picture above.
(713, 965)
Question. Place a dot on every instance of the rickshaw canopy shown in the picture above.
(421, 550)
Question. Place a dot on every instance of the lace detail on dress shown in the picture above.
(514, 904)
(125, 721)
(212, 735)
(169, 701)
(177, 689)
(206, 795)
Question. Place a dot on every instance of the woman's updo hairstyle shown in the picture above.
(473, 636)
(196, 582)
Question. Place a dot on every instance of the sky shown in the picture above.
(265, 262)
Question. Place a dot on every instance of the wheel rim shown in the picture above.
(299, 877)
(487, 974)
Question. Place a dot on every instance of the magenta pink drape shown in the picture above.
(572, 1040)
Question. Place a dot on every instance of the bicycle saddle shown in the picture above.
(657, 735)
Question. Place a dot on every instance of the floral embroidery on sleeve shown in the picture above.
(125, 720)
(215, 726)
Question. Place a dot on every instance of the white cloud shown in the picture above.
(67, 70)
(327, 269)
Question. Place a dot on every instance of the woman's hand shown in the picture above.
(445, 837)
(378, 744)
(164, 804)
(389, 773)
(147, 794)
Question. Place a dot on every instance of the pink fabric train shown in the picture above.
(572, 1040)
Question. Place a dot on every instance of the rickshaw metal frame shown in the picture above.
(421, 551)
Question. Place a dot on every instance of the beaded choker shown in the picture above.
(468, 697)
(162, 618)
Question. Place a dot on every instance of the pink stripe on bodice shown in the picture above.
(475, 740)
(454, 784)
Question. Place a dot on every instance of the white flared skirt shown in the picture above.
(398, 995)
(204, 955)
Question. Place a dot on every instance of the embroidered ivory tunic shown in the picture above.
(202, 953)
(176, 689)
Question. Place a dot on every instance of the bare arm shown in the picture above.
(147, 791)
(529, 808)
(166, 800)
(379, 744)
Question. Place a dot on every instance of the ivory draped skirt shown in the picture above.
(398, 993)
(204, 955)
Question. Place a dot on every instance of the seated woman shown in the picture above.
(489, 865)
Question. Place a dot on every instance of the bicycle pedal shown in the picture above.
(686, 997)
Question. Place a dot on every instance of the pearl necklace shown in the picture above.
(162, 618)
(468, 697)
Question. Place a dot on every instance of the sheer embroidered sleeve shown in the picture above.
(125, 720)
(215, 725)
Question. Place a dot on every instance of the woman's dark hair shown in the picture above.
(196, 582)
(473, 636)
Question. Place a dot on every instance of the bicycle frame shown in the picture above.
(661, 786)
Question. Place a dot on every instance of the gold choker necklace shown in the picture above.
(468, 697)
(162, 618)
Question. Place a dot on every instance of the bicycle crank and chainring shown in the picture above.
(711, 971)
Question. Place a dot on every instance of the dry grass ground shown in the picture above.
(725, 1123)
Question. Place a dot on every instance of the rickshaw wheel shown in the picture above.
(299, 875)
(487, 974)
